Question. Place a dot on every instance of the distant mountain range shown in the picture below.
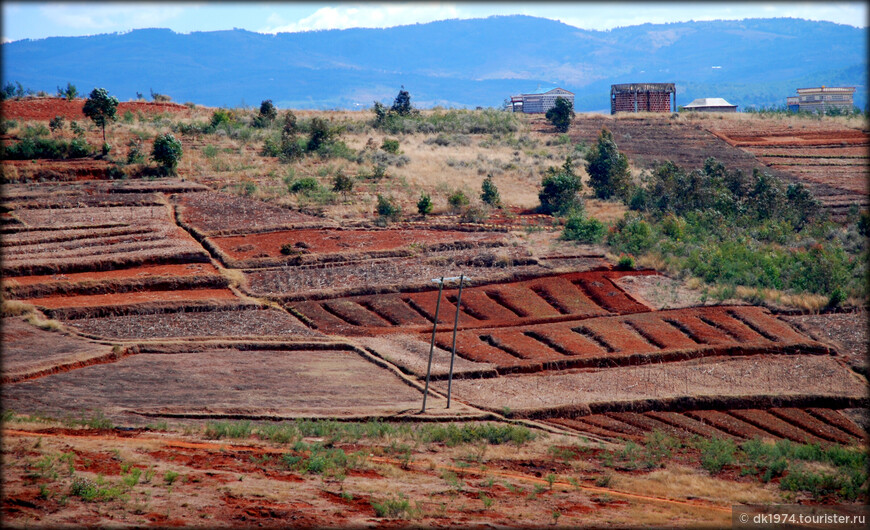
(452, 63)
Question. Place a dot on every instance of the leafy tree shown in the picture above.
(402, 103)
(101, 108)
(489, 192)
(8, 91)
(608, 168)
(560, 190)
(561, 114)
(56, 123)
(424, 205)
(342, 183)
(381, 113)
(584, 230)
(267, 115)
(320, 134)
(167, 152)
(70, 92)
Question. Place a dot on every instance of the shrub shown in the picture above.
(167, 152)
(560, 190)
(342, 183)
(607, 168)
(457, 200)
(489, 192)
(390, 145)
(626, 262)
(70, 92)
(267, 114)
(717, 453)
(303, 184)
(477, 213)
(222, 117)
(56, 123)
(424, 205)
(402, 103)
(387, 208)
(631, 234)
(392, 507)
(583, 229)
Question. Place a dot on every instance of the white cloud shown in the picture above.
(110, 17)
(368, 16)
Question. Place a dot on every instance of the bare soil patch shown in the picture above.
(29, 350)
(179, 270)
(78, 169)
(847, 332)
(222, 382)
(103, 300)
(320, 242)
(213, 213)
(226, 323)
(44, 109)
(711, 378)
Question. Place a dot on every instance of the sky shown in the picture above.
(36, 20)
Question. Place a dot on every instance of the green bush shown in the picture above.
(304, 184)
(560, 188)
(387, 208)
(45, 148)
(390, 145)
(424, 205)
(560, 114)
(631, 234)
(716, 453)
(457, 200)
(489, 192)
(583, 229)
(167, 152)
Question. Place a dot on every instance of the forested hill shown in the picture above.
(462, 63)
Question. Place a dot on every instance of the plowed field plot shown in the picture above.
(72, 170)
(711, 381)
(345, 279)
(659, 336)
(563, 297)
(847, 332)
(221, 382)
(106, 244)
(266, 248)
(802, 425)
(213, 213)
(121, 280)
(29, 351)
(44, 109)
(138, 297)
(831, 161)
(211, 321)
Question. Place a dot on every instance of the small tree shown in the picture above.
(167, 152)
(320, 133)
(489, 192)
(267, 115)
(101, 108)
(70, 92)
(608, 168)
(402, 103)
(560, 190)
(424, 205)
(560, 114)
(342, 183)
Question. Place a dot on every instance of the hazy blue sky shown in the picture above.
(34, 20)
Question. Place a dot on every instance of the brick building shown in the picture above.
(822, 99)
(540, 101)
(642, 97)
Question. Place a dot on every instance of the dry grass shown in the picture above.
(679, 482)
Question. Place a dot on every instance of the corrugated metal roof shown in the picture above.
(545, 90)
(708, 102)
